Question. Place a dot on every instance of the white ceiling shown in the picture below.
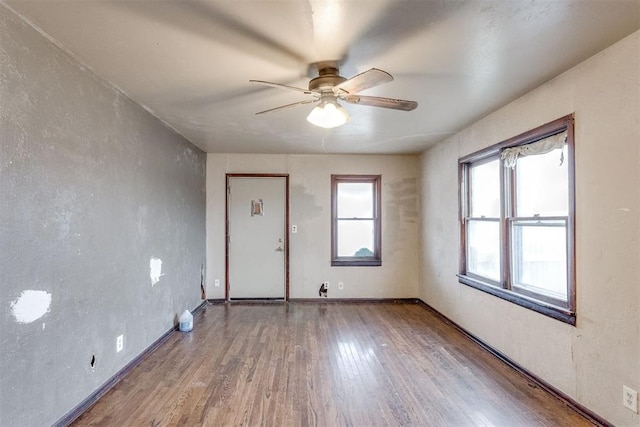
(189, 62)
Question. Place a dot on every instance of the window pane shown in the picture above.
(542, 185)
(355, 200)
(540, 257)
(485, 190)
(483, 249)
(355, 238)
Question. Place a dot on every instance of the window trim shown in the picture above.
(503, 289)
(376, 259)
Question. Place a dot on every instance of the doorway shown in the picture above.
(257, 247)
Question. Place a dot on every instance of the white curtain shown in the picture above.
(544, 146)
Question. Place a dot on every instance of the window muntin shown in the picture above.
(355, 222)
(526, 254)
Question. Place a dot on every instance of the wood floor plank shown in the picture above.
(305, 364)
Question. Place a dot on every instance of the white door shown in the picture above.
(256, 250)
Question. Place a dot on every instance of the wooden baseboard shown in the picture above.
(317, 301)
(582, 410)
(353, 300)
(73, 414)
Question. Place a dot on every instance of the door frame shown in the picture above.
(229, 176)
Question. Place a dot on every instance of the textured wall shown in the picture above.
(102, 228)
(589, 362)
(310, 210)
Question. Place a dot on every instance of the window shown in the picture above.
(517, 220)
(355, 225)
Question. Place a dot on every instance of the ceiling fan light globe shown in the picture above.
(328, 115)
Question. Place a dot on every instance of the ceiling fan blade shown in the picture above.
(376, 101)
(282, 107)
(362, 81)
(281, 86)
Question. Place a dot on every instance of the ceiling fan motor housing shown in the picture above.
(328, 78)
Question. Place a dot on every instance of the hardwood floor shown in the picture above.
(307, 364)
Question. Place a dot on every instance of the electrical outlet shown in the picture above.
(294, 228)
(326, 285)
(340, 285)
(630, 398)
(119, 343)
(216, 283)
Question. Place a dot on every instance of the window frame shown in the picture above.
(565, 312)
(376, 259)
(479, 162)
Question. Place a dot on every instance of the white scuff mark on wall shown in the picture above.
(31, 305)
(155, 270)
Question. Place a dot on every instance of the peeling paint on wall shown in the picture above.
(401, 202)
(155, 270)
(30, 306)
(401, 212)
(306, 206)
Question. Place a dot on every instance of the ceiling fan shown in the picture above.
(330, 86)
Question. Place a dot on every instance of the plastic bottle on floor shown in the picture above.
(186, 321)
